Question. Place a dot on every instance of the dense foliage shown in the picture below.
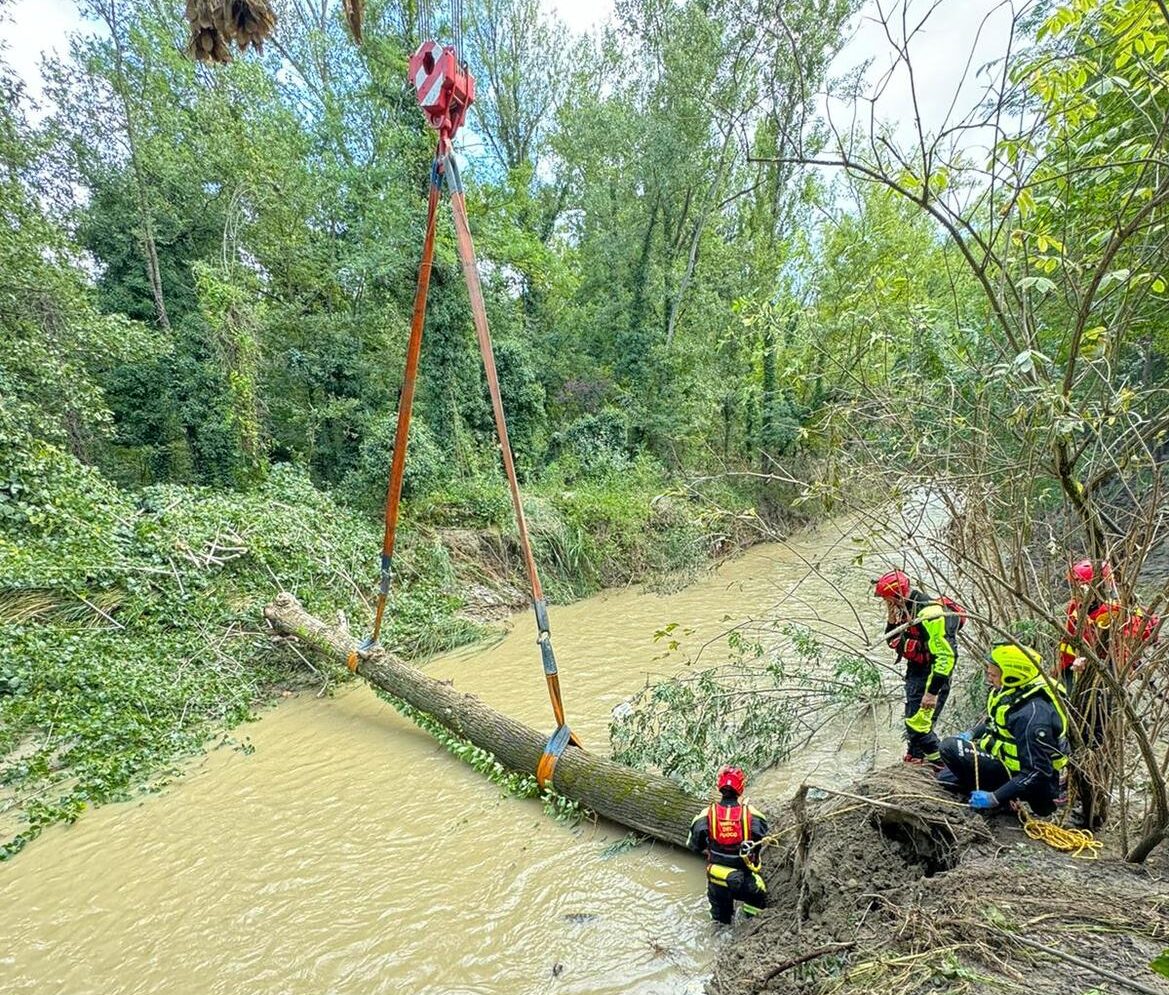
(206, 276)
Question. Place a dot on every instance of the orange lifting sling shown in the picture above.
(437, 77)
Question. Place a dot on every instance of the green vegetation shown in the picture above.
(131, 620)
(708, 309)
(518, 785)
(779, 690)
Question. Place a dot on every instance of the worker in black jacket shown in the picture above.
(1017, 751)
(924, 633)
(732, 869)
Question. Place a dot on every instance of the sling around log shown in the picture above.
(646, 803)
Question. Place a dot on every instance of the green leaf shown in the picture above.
(1041, 284)
(1115, 276)
(1160, 965)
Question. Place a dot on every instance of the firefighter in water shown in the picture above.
(720, 831)
(926, 638)
(1017, 751)
(1089, 617)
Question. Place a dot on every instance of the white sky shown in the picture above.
(34, 27)
(956, 32)
(31, 28)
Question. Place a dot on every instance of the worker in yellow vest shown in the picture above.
(724, 831)
(924, 633)
(1017, 751)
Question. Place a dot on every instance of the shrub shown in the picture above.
(592, 446)
(364, 486)
(130, 623)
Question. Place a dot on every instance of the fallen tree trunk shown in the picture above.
(646, 803)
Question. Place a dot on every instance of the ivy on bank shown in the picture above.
(130, 621)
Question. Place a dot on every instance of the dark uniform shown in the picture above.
(929, 648)
(1017, 751)
(720, 830)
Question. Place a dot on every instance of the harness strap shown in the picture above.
(466, 248)
(406, 401)
(552, 751)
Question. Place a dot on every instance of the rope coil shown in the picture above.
(1074, 842)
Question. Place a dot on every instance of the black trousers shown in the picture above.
(969, 769)
(726, 885)
(922, 745)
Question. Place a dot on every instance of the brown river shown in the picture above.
(347, 852)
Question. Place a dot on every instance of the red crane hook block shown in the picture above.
(445, 89)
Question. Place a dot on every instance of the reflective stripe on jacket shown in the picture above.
(719, 830)
(932, 641)
(1002, 743)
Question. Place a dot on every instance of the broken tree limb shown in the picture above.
(646, 803)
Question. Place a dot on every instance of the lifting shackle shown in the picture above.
(445, 88)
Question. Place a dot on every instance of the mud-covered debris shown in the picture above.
(896, 887)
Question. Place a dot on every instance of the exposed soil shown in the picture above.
(491, 581)
(919, 894)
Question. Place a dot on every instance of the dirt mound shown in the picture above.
(896, 887)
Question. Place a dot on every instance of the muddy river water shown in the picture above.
(347, 852)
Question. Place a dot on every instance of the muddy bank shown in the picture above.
(911, 892)
(677, 542)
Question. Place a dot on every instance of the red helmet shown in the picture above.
(894, 584)
(733, 778)
(1084, 572)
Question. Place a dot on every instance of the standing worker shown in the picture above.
(1017, 751)
(924, 632)
(1088, 618)
(1102, 628)
(732, 869)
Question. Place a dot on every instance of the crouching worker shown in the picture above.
(732, 869)
(1016, 752)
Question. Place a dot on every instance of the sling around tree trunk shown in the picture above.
(646, 803)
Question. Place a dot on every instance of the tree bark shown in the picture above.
(109, 14)
(646, 803)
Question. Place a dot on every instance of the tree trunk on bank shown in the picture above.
(646, 803)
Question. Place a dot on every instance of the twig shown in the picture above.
(104, 614)
(888, 805)
(303, 659)
(787, 965)
(1120, 979)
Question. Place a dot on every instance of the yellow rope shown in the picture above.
(754, 859)
(1076, 842)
